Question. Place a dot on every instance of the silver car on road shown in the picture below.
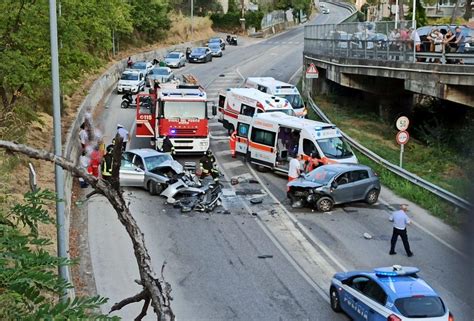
(161, 75)
(175, 59)
(149, 169)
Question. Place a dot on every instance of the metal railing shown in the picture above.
(412, 178)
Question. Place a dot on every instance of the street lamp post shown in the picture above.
(59, 174)
(192, 17)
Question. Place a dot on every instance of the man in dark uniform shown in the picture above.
(167, 146)
(106, 164)
(207, 164)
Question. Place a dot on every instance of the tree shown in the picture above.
(420, 13)
(27, 279)
(155, 290)
(150, 17)
(468, 10)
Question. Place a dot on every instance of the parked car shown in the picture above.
(160, 74)
(325, 10)
(216, 50)
(149, 169)
(200, 54)
(143, 66)
(175, 59)
(131, 81)
(393, 293)
(219, 41)
(333, 184)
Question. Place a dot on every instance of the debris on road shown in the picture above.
(367, 236)
(265, 256)
(256, 200)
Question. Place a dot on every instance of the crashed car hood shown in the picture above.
(301, 182)
(174, 165)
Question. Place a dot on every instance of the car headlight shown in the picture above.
(204, 143)
(203, 56)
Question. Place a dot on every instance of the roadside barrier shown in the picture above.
(412, 178)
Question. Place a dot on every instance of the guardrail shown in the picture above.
(412, 178)
(345, 5)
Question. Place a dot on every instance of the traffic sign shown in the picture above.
(402, 137)
(312, 71)
(402, 123)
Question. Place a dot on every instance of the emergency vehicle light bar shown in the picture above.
(396, 270)
(183, 94)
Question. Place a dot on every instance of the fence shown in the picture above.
(273, 18)
(383, 40)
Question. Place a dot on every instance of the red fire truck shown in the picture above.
(181, 113)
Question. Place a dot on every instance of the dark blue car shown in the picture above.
(386, 294)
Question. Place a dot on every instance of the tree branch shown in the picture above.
(160, 300)
(136, 298)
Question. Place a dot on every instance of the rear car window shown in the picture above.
(421, 307)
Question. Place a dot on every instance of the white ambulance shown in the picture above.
(272, 139)
(245, 103)
(279, 88)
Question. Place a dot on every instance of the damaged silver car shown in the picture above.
(149, 169)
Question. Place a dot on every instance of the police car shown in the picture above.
(389, 293)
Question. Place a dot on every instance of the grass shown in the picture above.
(439, 165)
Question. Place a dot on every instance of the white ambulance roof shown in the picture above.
(270, 82)
(294, 122)
(263, 98)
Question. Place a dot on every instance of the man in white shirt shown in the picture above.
(294, 169)
(124, 134)
(83, 136)
(400, 221)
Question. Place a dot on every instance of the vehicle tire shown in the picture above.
(154, 188)
(124, 104)
(324, 204)
(210, 59)
(372, 196)
(335, 302)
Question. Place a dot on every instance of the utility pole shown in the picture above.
(59, 174)
(192, 17)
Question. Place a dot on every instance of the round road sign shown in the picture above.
(402, 123)
(402, 137)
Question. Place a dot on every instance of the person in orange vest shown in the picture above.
(95, 161)
(232, 143)
(312, 162)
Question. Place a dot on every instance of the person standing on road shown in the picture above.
(129, 62)
(124, 134)
(106, 164)
(167, 146)
(207, 164)
(294, 169)
(83, 136)
(400, 221)
(232, 143)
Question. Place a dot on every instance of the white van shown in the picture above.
(131, 81)
(245, 103)
(272, 139)
(278, 88)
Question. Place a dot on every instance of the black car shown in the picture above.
(334, 184)
(200, 54)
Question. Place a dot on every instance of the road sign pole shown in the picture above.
(401, 155)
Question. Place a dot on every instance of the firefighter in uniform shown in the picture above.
(232, 143)
(208, 166)
(106, 164)
(167, 146)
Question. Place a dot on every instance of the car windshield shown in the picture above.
(173, 56)
(214, 46)
(198, 51)
(295, 101)
(420, 307)
(152, 162)
(129, 76)
(321, 175)
(139, 65)
(335, 147)
(159, 71)
(192, 109)
(288, 111)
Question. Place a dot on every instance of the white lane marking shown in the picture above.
(222, 152)
(295, 74)
(451, 247)
(297, 223)
(282, 250)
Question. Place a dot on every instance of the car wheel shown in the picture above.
(324, 204)
(124, 104)
(210, 59)
(334, 297)
(154, 188)
(372, 196)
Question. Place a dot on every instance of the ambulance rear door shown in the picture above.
(262, 143)
(241, 145)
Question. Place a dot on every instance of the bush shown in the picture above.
(254, 19)
(229, 20)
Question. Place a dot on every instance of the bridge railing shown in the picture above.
(373, 41)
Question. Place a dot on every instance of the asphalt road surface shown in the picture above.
(214, 261)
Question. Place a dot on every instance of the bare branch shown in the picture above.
(136, 298)
(142, 314)
(160, 299)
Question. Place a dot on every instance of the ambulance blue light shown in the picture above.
(173, 131)
(396, 270)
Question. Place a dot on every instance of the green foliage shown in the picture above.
(227, 21)
(420, 13)
(28, 282)
(150, 18)
(233, 8)
(254, 19)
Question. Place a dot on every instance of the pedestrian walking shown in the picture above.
(400, 221)
(83, 136)
(124, 134)
(106, 164)
(232, 143)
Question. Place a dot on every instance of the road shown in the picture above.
(212, 260)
